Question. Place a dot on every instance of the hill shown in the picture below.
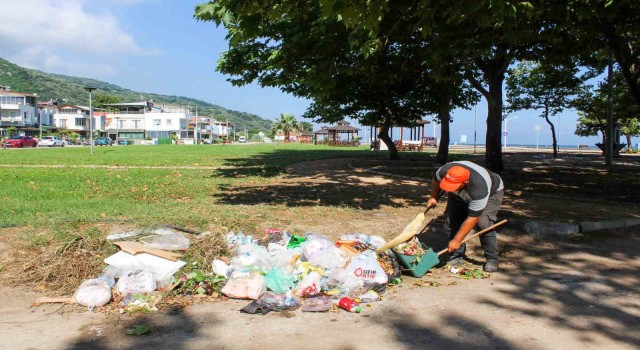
(57, 86)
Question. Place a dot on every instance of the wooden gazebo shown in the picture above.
(333, 135)
(415, 133)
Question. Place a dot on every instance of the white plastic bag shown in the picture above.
(309, 285)
(138, 281)
(365, 267)
(92, 293)
(221, 268)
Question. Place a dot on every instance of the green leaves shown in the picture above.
(139, 329)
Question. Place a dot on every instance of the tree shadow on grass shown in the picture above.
(587, 290)
(332, 183)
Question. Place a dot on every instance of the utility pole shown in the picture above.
(475, 118)
(90, 89)
(196, 130)
(609, 145)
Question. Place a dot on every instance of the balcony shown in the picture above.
(11, 121)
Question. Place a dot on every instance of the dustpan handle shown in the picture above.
(476, 234)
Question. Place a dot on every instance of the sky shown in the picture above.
(156, 46)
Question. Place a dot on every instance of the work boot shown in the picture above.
(457, 261)
(491, 265)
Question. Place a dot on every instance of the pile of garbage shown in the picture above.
(277, 272)
(311, 272)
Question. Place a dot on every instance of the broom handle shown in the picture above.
(476, 234)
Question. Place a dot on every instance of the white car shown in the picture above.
(51, 141)
(242, 139)
(267, 140)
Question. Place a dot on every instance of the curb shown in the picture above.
(545, 229)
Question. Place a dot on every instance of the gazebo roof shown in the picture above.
(342, 128)
(322, 131)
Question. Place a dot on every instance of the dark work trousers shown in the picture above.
(457, 211)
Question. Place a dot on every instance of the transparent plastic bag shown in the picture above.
(169, 241)
(279, 301)
(373, 241)
(138, 281)
(317, 304)
(328, 258)
(250, 256)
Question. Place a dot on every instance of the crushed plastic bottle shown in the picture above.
(349, 305)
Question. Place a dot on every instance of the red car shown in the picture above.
(20, 141)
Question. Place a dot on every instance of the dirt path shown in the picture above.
(567, 295)
(577, 294)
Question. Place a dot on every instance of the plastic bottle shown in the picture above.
(349, 305)
(288, 297)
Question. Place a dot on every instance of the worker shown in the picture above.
(474, 198)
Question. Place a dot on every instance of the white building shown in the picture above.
(18, 110)
(72, 117)
(140, 120)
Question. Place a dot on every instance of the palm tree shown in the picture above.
(285, 124)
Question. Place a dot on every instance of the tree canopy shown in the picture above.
(547, 88)
(389, 63)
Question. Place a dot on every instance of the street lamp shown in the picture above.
(117, 129)
(506, 120)
(90, 89)
(538, 127)
(195, 132)
(157, 131)
(475, 118)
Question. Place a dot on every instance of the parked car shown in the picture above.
(103, 141)
(51, 141)
(125, 141)
(267, 140)
(242, 139)
(20, 141)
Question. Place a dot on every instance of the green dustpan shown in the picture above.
(418, 266)
(430, 259)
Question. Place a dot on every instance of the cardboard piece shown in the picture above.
(54, 300)
(137, 247)
(158, 266)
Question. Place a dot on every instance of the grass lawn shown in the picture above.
(143, 184)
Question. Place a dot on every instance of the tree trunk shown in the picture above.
(626, 54)
(553, 135)
(383, 135)
(628, 136)
(493, 153)
(494, 75)
(443, 149)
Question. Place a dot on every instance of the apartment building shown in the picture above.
(72, 117)
(140, 120)
(19, 110)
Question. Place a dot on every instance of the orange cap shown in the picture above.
(456, 176)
